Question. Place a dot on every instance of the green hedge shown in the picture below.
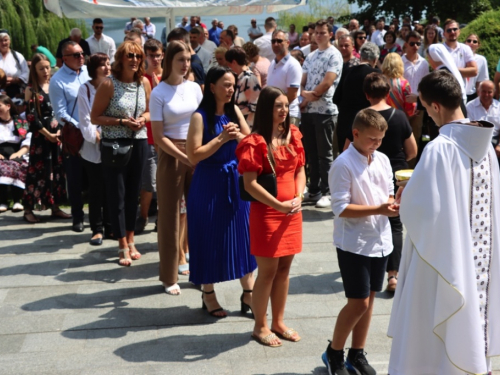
(30, 23)
(487, 28)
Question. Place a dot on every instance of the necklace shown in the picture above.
(177, 91)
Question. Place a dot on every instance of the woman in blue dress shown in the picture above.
(218, 233)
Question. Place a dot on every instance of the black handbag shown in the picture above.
(117, 152)
(267, 181)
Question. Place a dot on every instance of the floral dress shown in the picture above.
(13, 172)
(46, 179)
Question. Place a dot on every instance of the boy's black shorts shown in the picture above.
(361, 274)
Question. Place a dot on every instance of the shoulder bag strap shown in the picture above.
(88, 91)
(271, 164)
(136, 105)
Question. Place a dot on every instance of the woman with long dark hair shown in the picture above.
(173, 101)
(121, 108)
(275, 222)
(46, 179)
(219, 251)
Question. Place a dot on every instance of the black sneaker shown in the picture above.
(334, 362)
(358, 363)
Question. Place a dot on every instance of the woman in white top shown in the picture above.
(172, 103)
(99, 68)
(472, 83)
(15, 67)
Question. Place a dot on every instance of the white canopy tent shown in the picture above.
(170, 9)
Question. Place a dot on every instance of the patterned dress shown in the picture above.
(247, 92)
(46, 179)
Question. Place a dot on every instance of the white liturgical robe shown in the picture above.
(441, 323)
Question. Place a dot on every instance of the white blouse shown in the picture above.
(90, 150)
(9, 65)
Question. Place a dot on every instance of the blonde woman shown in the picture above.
(393, 69)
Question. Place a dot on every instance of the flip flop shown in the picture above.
(266, 340)
(171, 288)
(288, 335)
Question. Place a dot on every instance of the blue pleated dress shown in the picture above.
(218, 231)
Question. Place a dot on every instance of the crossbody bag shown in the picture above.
(267, 181)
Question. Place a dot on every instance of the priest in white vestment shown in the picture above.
(446, 314)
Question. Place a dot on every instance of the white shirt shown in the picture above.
(150, 30)
(174, 105)
(209, 45)
(353, 181)
(264, 44)
(7, 135)
(306, 50)
(316, 65)
(476, 112)
(90, 150)
(377, 37)
(105, 45)
(462, 54)
(205, 57)
(415, 71)
(9, 66)
(482, 75)
(284, 74)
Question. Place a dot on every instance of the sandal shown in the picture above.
(267, 340)
(60, 214)
(134, 254)
(171, 288)
(34, 220)
(183, 269)
(213, 312)
(288, 335)
(126, 262)
(391, 287)
(245, 307)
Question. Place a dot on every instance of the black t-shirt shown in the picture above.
(398, 131)
(83, 43)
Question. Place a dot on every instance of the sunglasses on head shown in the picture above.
(76, 55)
(279, 41)
(361, 37)
(413, 44)
(131, 55)
(472, 41)
(453, 29)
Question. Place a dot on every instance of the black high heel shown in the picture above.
(204, 306)
(244, 306)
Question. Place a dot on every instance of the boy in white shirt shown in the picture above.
(362, 193)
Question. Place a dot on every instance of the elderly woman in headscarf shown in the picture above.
(14, 65)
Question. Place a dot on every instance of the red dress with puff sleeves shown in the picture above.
(272, 233)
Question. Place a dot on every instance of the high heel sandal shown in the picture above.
(126, 262)
(244, 306)
(204, 306)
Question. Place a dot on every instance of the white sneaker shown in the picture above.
(324, 202)
(3, 207)
(17, 207)
(308, 197)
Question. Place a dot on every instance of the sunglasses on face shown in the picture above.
(131, 55)
(361, 37)
(472, 41)
(157, 57)
(76, 55)
(454, 29)
(413, 44)
(98, 27)
(279, 41)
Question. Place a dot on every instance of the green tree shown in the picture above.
(318, 9)
(487, 28)
(30, 23)
(461, 10)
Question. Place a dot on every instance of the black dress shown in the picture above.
(350, 99)
(46, 179)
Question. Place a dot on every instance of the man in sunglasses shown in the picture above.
(100, 42)
(75, 36)
(415, 68)
(63, 93)
(461, 53)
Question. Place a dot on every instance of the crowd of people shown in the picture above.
(226, 140)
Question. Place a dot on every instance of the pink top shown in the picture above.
(397, 96)
(260, 69)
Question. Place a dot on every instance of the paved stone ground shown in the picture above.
(68, 308)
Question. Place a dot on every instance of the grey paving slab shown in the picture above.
(67, 308)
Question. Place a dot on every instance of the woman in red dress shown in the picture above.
(275, 222)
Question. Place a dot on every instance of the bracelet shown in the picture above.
(299, 195)
(121, 122)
